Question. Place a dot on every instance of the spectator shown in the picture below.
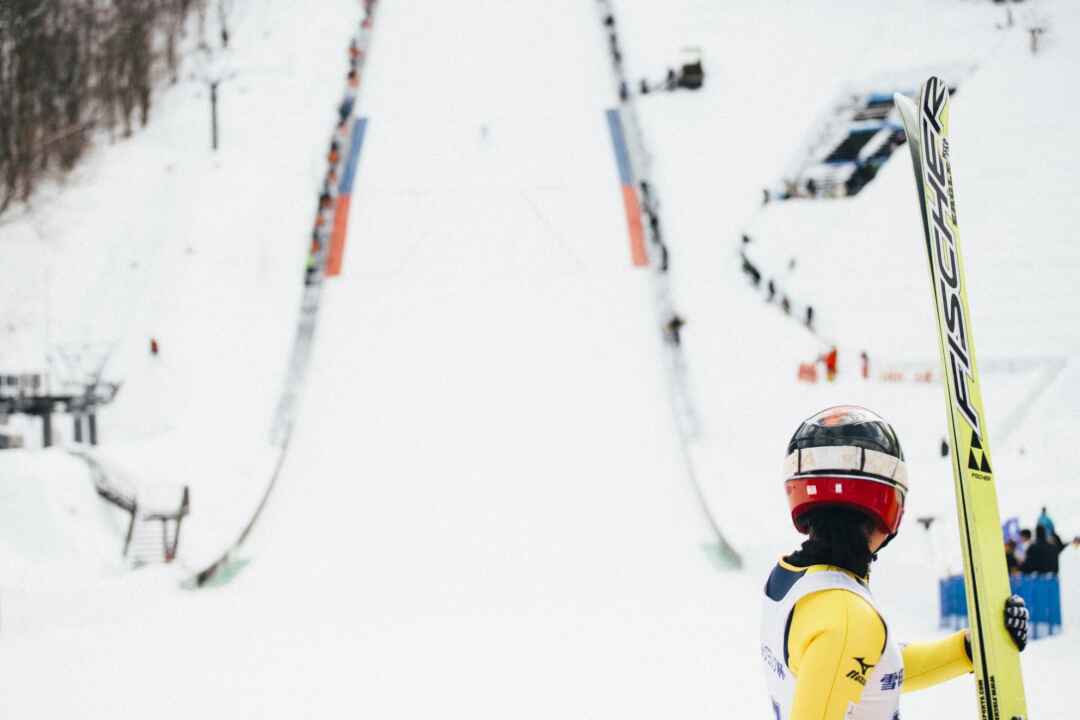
(1045, 521)
(663, 258)
(671, 81)
(1042, 555)
(810, 317)
(1025, 543)
(865, 360)
(1011, 562)
(811, 187)
(616, 54)
(345, 108)
(153, 346)
(945, 453)
(785, 305)
(354, 79)
(829, 359)
(751, 270)
(673, 329)
(1010, 530)
(334, 155)
(644, 87)
(771, 287)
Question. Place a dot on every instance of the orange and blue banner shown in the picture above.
(629, 192)
(344, 197)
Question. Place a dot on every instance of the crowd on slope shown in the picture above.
(335, 155)
(805, 315)
(772, 289)
(1040, 554)
(672, 324)
(690, 75)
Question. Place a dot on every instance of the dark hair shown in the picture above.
(1040, 533)
(839, 536)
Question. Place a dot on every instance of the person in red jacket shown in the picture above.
(829, 359)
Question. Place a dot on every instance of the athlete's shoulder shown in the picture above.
(840, 609)
(785, 574)
(782, 578)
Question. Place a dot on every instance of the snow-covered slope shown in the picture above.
(484, 487)
(483, 510)
(770, 70)
(159, 237)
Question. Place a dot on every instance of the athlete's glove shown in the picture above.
(1016, 620)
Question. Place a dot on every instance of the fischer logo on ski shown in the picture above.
(999, 682)
(937, 178)
(977, 461)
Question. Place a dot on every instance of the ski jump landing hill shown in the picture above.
(631, 162)
(484, 484)
(482, 511)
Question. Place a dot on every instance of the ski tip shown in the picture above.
(907, 109)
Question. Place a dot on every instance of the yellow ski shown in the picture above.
(999, 683)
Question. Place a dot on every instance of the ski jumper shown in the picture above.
(828, 654)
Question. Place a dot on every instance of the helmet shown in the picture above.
(846, 455)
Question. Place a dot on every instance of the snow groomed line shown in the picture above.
(344, 198)
(229, 563)
(633, 161)
(223, 569)
(630, 199)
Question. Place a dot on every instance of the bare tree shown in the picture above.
(69, 66)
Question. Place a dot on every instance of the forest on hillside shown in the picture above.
(70, 67)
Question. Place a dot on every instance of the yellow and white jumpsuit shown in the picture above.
(828, 653)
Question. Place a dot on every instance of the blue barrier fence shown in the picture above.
(1042, 593)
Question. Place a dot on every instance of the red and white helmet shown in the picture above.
(846, 455)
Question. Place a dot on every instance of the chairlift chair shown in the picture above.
(691, 74)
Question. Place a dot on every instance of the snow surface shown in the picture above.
(484, 509)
